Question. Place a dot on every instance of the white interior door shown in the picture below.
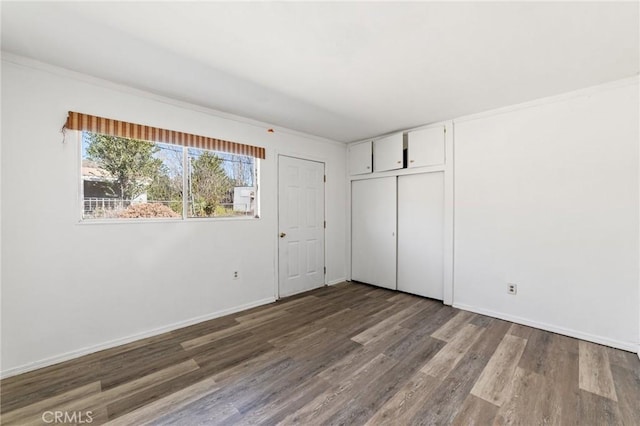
(421, 234)
(301, 225)
(373, 231)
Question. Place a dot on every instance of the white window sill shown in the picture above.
(163, 220)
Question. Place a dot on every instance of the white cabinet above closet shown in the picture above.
(387, 153)
(360, 158)
(425, 147)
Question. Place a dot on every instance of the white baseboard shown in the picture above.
(338, 281)
(626, 346)
(117, 342)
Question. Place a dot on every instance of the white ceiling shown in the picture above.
(345, 71)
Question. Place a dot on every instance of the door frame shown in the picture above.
(277, 227)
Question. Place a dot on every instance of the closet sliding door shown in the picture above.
(373, 231)
(421, 234)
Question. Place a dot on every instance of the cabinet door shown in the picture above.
(373, 231)
(421, 234)
(360, 158)
(387, 153)
(425, 147)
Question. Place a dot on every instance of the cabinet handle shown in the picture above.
(399, 161)
(411, 161)
(368, 167)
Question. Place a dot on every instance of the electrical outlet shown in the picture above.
(512, 288)
(236, 275)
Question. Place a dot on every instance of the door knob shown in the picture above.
(282, 235)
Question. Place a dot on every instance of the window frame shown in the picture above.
(185, 201)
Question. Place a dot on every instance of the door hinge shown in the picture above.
(325, 224)
(325, 270)
(325, 178)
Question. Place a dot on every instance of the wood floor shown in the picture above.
(349, 354)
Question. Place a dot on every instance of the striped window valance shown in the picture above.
(123, 129)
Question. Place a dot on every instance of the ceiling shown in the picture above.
(344, 71)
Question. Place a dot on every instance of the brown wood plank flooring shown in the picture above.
(350, 354)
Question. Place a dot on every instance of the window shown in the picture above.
(126, 178)
(220, 184)
(134, 171)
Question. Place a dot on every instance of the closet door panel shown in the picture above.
(421, 234)
(373, 231)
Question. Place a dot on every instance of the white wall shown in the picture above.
(546, 196)
(69, 287)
